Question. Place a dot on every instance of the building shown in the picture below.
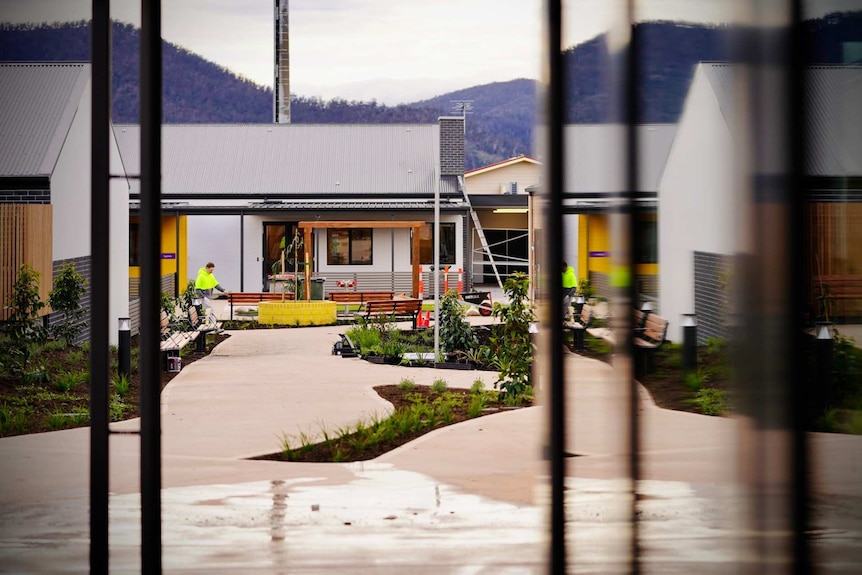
(232, 193)
(45, 115)
(701, 223)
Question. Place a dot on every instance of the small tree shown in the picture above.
(514, 349)
(65, 299)
(21, 328)
(456, 335)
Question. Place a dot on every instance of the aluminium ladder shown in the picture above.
(477, 225)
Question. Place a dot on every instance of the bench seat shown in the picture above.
(408, 308)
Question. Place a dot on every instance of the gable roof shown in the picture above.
(594, 150)
(291, 161)
(833, 122)
(502, 164)
(38, 102)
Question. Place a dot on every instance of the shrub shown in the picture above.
(406, 384)
(439, 386)
(21, 327)
(514, 348)
(456, 335)
(65, 299)
(711, 401)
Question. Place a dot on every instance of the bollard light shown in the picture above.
(823, 349)
(124, 347)
(647, 307)
(580, 300)
(689, 343)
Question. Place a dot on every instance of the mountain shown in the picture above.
(500, 116)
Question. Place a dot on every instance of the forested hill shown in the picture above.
(501, 115)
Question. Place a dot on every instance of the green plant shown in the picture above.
(364, 337)
(65, 299)
(66, 380)
(716, 345)
(456, 335)
(586, 288)
(477, 387)
(12, 419)
(121, 384)
(439, 385)
(694, 381)
(21, 327)
(117, 408)
(406, 383)
(37, 375)
(478, 402)
(711, 401)
(514, 348)
(64, 420)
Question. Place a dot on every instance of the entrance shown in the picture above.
(278, 236)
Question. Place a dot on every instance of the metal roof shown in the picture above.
(38, 102)
(292, 160)
(595, 154)
(833, 122)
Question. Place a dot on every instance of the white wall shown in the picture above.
(217, 239)
(697, 200)
(524, 173)
(70, 188)
(71, 201)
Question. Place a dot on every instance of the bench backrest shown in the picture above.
(164, 324)
(256, 297)
(655, 328)
(586, 315)
(393, 306)
(360, 296)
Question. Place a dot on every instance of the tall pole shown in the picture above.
(151, 216)
(100, 58)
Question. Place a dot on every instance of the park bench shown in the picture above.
(578, 326)
(649, 337)
(202, 325)
(254, 298)
(174, 337)
(407, 308)
(840, 286)
(358, 298)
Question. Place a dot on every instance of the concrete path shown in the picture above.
(469, 498)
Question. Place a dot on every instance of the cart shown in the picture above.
(480, 299)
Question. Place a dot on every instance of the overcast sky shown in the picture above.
(390, 50)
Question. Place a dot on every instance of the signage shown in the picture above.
(599, 254)
(169, 256)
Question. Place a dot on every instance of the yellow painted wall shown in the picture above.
(169, 245)
(598, 240)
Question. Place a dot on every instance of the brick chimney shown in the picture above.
(451, 145)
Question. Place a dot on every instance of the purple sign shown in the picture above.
(169, 256)
(599, 254)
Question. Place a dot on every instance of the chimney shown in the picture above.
(281, 93)
(451, 145)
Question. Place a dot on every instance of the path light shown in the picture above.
(124, 347)
(689, 343)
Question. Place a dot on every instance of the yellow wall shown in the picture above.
(169, 245)
(598, 240)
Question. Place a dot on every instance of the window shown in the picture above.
(426, 245)
(134, 244)
(646, 244)
(349, 247)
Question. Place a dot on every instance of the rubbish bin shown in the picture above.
(316, 288)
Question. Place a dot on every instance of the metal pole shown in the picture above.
(151, 215)
(100, 57)
(555, 118)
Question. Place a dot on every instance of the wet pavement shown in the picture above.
(466, 499)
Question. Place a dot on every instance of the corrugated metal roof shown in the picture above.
(278, 160)
(38, 102)
(595, 154)
(833, 121)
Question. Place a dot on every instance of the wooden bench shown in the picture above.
(174, 338)
(579, 326)
(839, 286)
(202, 326)
(650, 337)
(254, 298)
(392, 308)
(360, 297)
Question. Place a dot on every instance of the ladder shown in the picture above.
(477, 225)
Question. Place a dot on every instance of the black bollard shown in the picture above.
(823, 345)
(124, 348)
(689, 343)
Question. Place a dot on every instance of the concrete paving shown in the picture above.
(469, 498)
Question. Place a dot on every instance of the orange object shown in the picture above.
(445, 279)
(460, 280)
(421, 285)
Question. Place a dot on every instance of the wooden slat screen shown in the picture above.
(834, 238)
(25, 238)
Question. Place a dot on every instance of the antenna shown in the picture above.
(464, 107)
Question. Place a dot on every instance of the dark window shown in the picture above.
(134, 244)
(646, 243)
(426, 244)
(349, 247)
